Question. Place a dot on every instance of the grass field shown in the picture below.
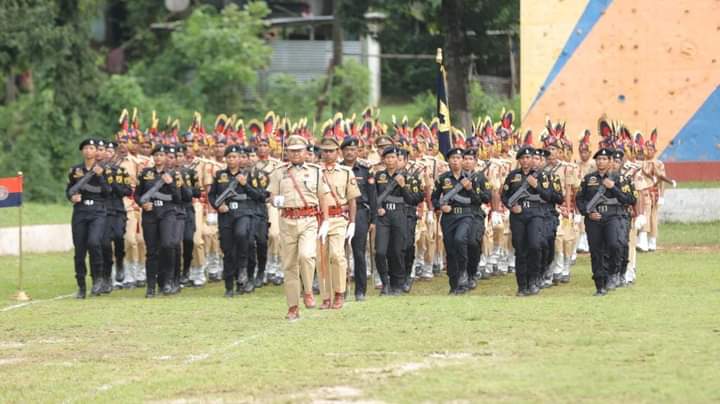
(37, 213)
(655, 341)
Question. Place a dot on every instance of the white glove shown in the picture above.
(278, 201)
(323, 232)
(211, 218)
(350, 232)
(496, 218)
(661, 201)
(578, 218)
(640, 222)
(430, 218)
(674, 184)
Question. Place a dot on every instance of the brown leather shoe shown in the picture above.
(325, 304)
(309, 301)
(293, 313)
(339, 301)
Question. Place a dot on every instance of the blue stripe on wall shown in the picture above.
(699, 139)
(593, 11)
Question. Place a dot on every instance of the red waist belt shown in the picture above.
(297, 213)
(336, 211)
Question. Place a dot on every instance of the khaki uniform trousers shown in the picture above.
(334, 281)
(298, 238)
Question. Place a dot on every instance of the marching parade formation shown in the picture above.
(269, 203)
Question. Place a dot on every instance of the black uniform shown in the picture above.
(416, 194)
(605, 235)
(459, 226)
(478, 231)
(390, 232)
(88, 225)
(114, 233)
(259, 243)
(364, 215)
(552, 221)
(236, 226)
(159, 228)
(527, 226)
(190, 190)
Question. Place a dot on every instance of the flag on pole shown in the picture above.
(443, 111)
(11, 189)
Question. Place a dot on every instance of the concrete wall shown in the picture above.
(681, 205)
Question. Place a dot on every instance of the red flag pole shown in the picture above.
(20, 296)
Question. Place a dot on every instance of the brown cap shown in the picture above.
(296, 142)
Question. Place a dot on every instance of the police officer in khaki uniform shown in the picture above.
(297, 189)
(342, 208)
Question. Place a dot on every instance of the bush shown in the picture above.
(289, 98)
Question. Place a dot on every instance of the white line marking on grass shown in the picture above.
(21, 305)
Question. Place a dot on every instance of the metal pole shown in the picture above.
(20, 295)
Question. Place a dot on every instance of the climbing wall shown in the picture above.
(649, 63)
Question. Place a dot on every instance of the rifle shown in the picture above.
(153, 192)
(389, 188)
(522, 192)
(228, 193)
(82, 183)
(597, 198)
(452, 194)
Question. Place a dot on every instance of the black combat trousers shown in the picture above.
(88, 226)
(409, 248)
(457, 231)
(236, 232)
(114, 236)
(604, 238)
(527, 229)
(475, 245)
(358, 244)
(159, 230)
(390, 239)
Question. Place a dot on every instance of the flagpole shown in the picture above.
(20, 296)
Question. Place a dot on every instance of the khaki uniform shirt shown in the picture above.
(342, 184)
(308, 178)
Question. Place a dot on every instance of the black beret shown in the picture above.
(603, 152)
(470, 152)
(390, 150)
(111, 145)
(524, 151)
(349, 141)
(161, 148)
(87, 142)
(181, 148)
(100, 143)
(234, 148)
(403, 152)
(618, 154)
(455, 151)
(542, 152)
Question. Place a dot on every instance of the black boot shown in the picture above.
(150, 292)
(82, 292)
(249, 285)
(229, 292)
(119, 273)
(106, 285)
(385, 291)
(96, 286)
(600, 287)
(610, 283)
(259, 280)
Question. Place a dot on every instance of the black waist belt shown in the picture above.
(603, 209)
(460, 210)
(528, 204)
(233, 205)
(387, 205)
